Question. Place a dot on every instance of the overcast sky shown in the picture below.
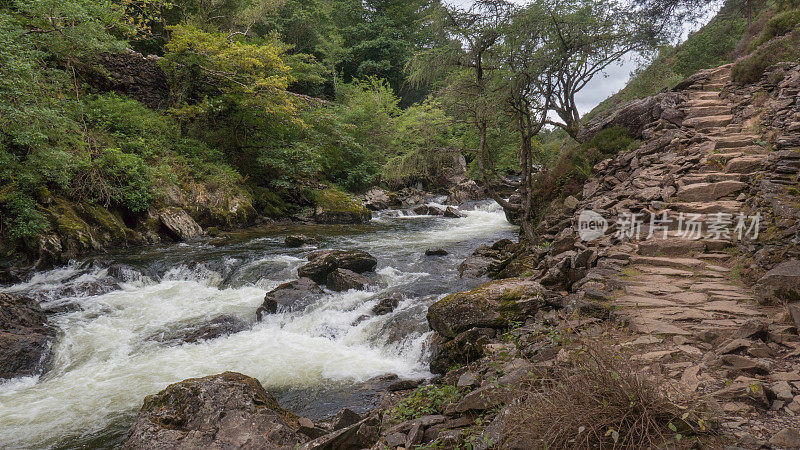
(601, 87)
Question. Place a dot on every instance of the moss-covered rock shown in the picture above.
(83, 228)
(333, 206)
(492, 305)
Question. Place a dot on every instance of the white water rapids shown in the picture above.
(107, 356)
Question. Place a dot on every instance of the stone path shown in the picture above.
(704, 327)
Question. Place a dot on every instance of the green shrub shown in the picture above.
(751, 68)
(21, 216)
(712, 46)
(114, 177)
(610, 141)
(426, 400)
(778, 25)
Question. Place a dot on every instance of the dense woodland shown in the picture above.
(277, 99)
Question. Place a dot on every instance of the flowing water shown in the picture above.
(113, 314)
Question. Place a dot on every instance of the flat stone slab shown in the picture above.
(666, 271)
(651, 326)
(644, 302)
(704, 123)
(701, 207)
(675, 263)
(704, 192)
(745, 164)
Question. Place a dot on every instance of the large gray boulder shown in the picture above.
(225, 411)
(289, 296)
(780, 285)
(179, 223)
(323, 263)
(25, 337)
(636, 115)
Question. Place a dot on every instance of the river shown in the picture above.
(110, 351)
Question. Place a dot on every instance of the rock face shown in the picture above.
(323, 263)
(131, 74)
(636, 115)
(289, 296)
(229, 410)
(180, 223)
(780, 285)
(25, 338)
(466, 192)
(343, 280)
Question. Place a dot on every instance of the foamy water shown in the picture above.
(108, 356)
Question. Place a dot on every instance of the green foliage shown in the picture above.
(423, 137)
(611, 141)
(778, 25)
(711, 46)
(113, 177)
(572, 166)
(426, 400)
(751, 68)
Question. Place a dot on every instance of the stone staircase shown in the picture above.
(684, 296)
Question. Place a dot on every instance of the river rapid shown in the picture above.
(114, 311)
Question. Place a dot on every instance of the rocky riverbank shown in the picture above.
(635, 337)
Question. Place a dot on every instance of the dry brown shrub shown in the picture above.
(600, 400)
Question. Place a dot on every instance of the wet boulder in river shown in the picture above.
(387, 304)
(292, 295)
(229, 410)
(25, 337)
(428, 210)
(378, 199)
(436, 252)
(452, 213)
(343, 280)
(323, 263)
(298, 240)
(215, 328)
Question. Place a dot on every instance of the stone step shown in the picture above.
(713, 87)
(690, 264)
(720, 206)
(720, 160)
(705, 103)
(706, 111)
(704, 95)
(735, 141)
(671, 246)
(709, 122)
(705, 192)
(748, 164)
(708, 177)
(748, 150)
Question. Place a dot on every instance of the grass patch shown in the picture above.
(600, 400)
